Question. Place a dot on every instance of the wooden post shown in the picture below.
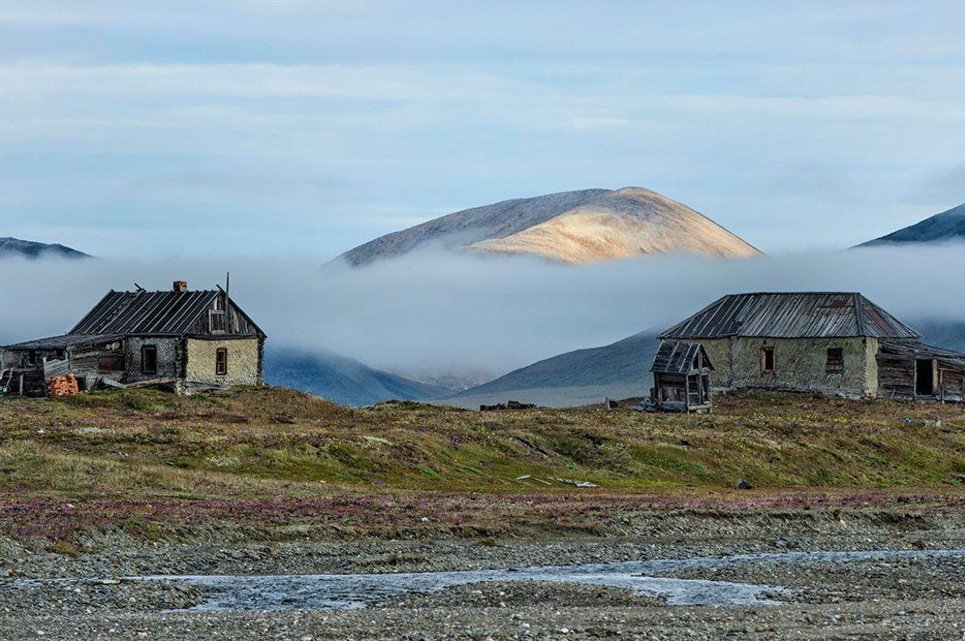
(687, 393)
(700, 379)
(227, 301)
(914, 378)
(21, 383)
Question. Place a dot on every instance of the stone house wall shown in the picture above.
(243, 355)
(799, 364)
(167, 349)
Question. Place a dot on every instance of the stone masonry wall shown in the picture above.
(242, 361)
(166, 358)
(800, 364)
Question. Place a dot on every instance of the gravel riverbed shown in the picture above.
(83, 596)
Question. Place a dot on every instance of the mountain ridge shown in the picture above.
(944, 226)
(574, 227)
(33, 249)
(618, 370)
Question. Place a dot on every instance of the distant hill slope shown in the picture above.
(573, 227)
(947, 334)
(341, 379)
(618, 370)
(30, 249)
(948, 225)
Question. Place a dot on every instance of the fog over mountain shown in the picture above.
(30, 249)
(576, 227)
(946, 226)
(429, 314)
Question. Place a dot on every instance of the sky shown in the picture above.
(300, 129)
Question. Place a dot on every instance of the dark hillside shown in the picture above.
(30, 249)
(341, 379)
(946, 226)
(616, 370)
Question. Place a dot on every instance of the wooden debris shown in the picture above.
(578, 483)
(65, 385)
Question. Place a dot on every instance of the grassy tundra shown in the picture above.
(266, 458)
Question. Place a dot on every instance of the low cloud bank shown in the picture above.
(435, 312)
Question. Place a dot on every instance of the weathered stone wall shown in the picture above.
(242, 361)
(166, 358)
(800, 364)
(718, 351)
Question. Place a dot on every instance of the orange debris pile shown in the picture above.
(62, 385)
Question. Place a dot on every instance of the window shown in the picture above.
(149, 359)
(767, 360)
(221, 361)
(216, 320)
(835, 359)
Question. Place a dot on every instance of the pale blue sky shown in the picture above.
(288, 128)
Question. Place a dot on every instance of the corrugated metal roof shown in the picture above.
(678, 357)
(64, 341)
(792, 315)
(146, 313)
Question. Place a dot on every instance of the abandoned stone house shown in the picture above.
(185, 339)
(828, 342)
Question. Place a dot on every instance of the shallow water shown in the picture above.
(313, 591)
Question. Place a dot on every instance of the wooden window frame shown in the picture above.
(765, 351)
(217, 313)
(145, 349)
(835, 365)
(221, 361)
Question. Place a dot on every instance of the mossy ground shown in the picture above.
(256, 446)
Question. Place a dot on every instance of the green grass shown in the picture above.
(142, 443)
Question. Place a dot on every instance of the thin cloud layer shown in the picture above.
(435, 313)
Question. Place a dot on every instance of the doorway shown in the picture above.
(924, 379)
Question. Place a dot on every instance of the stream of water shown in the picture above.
(312, 591)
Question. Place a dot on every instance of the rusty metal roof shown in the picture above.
(679, 357)
(146, 313)
(792, 315)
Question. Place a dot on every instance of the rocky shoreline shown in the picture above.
(81, 595)
(680, 533)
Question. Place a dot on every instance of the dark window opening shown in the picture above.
(216, 320)
(835, 359)
(924, 378)
(767, 360)
(221, 361)
(149, 359)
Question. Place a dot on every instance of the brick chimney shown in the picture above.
(180, 286)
